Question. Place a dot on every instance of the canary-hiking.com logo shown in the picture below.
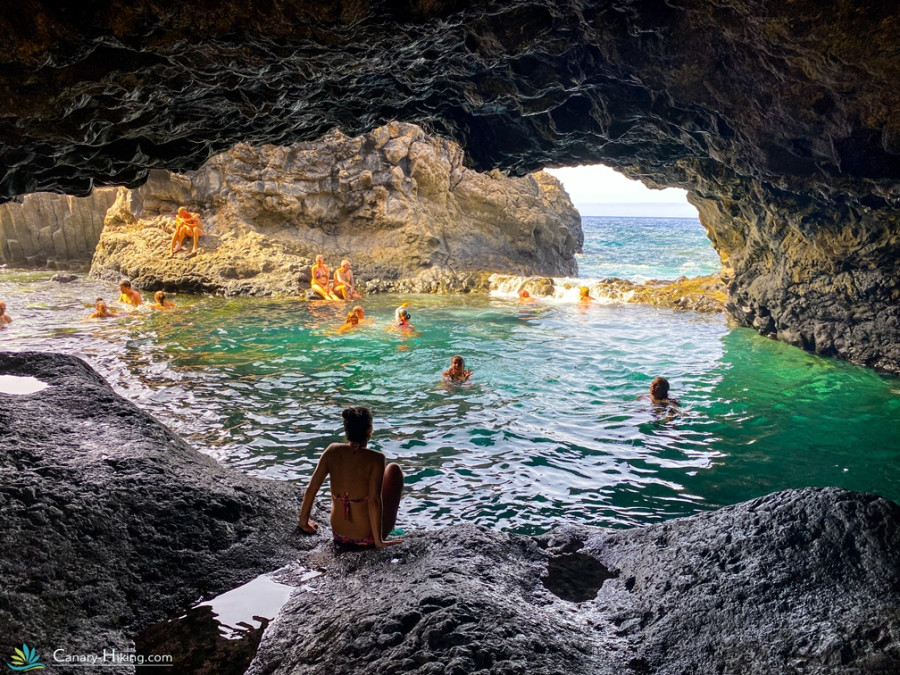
(25, 659)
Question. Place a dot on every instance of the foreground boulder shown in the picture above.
(803, 581)
(109, 521)
(399, 204)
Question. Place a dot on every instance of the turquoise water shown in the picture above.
(550, 430)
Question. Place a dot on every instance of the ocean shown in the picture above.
(551, 428)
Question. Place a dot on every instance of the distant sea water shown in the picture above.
(550, 430)
(638, 249)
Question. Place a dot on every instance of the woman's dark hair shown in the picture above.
(357, 422)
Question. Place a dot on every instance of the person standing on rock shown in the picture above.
(365, 494)
(128, 295)
(187, 224)
(343, 281)
(320, 279)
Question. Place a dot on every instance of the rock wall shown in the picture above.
(399, 204)
(52, 230)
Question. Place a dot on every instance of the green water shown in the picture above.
(548, 431)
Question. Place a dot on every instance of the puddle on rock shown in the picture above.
(576, 577)
(20, 385)
(222, 635)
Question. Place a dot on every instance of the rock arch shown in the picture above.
(781, 120)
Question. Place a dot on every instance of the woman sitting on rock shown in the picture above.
(320, 279)
(187, 224)
(365, 494)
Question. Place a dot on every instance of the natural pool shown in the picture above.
(550, 429)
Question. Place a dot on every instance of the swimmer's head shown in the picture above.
(352, 318)
(125, 283)
(402, 312)
(524, 294)
(357, 424)
(2, 307)
(159, 296)
(457, 362)
(359, 311)
(585, 291)
(659, 388)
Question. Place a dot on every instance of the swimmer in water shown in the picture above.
(360, 312)
(584, 295)
(160, 301)
(365, 493)
(4, 317)
(102, 310)
(525, 296)
(659, 392)
(401, 316)
(352, 321)
(128, 295)
(457, 371)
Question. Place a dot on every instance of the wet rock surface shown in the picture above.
(109, 521)
(803, 581)
(397, 203)
(782, 120)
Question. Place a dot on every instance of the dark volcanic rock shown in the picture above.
(802, 581)
(108, 521)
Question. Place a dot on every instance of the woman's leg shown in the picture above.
(391, 490)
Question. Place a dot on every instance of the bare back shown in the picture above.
(356, 476)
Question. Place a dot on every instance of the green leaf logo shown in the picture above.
(25, 659)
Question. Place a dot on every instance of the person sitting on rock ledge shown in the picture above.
(343, 281)
(160, 301)
(365, 494)
(128, 295)
(4, 317)
(187, 224)
(320, 279)
(102, 310)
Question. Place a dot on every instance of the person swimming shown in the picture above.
(128, 295)
(401, 317)
(102, 310)
(659, 392)
(160, 301)
(584, 294)
(457, 371)
(4, 317)
(525, 296)
(352, 321)
(365, 493)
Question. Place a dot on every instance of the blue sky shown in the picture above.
(599, 191)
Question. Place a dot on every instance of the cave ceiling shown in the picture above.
(799, 96)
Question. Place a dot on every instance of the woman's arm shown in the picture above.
(318, 477)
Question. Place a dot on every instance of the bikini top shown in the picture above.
(347, 502)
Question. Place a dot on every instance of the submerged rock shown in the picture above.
(399, 204)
